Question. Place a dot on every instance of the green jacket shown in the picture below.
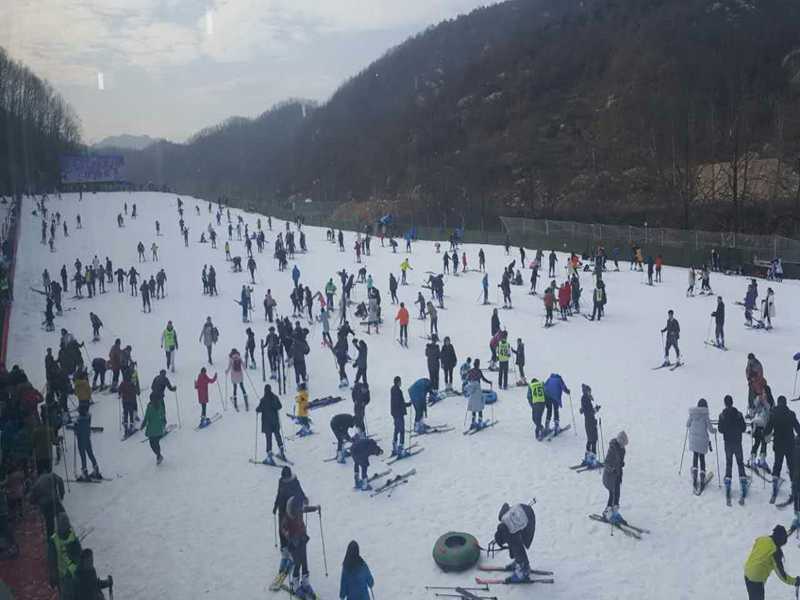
(155, 420)
(535, 393)
(169, 339)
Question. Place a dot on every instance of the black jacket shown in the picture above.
(732, 426)
(398, 402)
(719, 314)
(447, 356)
(286, 489)
(783, 426)
(341, 423)
(269, 407)
(433, 353)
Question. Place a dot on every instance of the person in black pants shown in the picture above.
(613, 466)
(783, 426)
(432, 353)
(361, 398)
(269, 407)
(732, 426)
(340, 425)
(398, 406)
(361, 361)
(447, 356)
(588, 410)
(673, 330)
(83, 437)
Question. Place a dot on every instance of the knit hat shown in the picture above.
(779, 535)
(286, 473)
(622, 438)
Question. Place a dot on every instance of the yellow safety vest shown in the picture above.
(537, 392)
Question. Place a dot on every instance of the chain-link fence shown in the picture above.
(676, 246)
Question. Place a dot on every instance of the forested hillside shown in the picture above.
(678, 113)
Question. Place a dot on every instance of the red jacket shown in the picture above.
(201, 385)
(549, 299)
(563, 296)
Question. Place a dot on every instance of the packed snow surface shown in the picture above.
(200, 525)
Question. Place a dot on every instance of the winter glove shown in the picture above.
(710, 447)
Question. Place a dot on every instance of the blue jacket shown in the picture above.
(485, 282)
(295, 273)
(554, 387)
(418, 392)
(355, 584)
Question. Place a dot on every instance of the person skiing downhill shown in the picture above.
(236, 369)
(537, 403)
(699, 426)
(169, 342)
(515, 532)
(673, 330)
(201, 385)
(613, 466)
(269, 406)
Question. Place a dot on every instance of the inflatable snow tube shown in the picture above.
(489, 396)
(456, 551)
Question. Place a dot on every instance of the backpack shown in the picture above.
(214, 334)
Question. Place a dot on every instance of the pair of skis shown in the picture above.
(584, 467)
(412, 450)
(278, 462)
(701, 487)
(625, 527)
(474, 430)
(433, 429)
(556, 432)
(390, 484)
(169, 429)
(669, 365)
(212, 419)
(539, 577)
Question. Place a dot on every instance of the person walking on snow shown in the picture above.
(154, 424)
(699, 426)
(236, 370)
(201, 385)
(397, 407)
(719, 323)
(209, 336)
(169, 342)
(356, 581)
(474, 392)
(269, 406)
(588, 410)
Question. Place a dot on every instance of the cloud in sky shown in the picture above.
(171, 67)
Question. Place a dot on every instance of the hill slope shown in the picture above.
(593, 108)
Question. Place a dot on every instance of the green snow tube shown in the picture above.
(456, 551)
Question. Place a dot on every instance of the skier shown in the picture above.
(299, 349)
(398, 407)
(404, 267)
(356, 581)
(673, 330)
(83, 437)
(236, 370)
(699, 426)
(612, 476)
(434, 318)
(361, 361)
(208, 337)
(169, 342)
(692, 279)
(754, 372)
(250, 349)
(301, 411)
(419, 393)
(475, 393)
(269, 406)
(731, 425)
(128, 392)
(361, 449)
(485, 288)
(288, 487)
(719, 323)
(782, 426)
(448, 359)
(589, 410)
(515, 532)
(481, 260)
(519, 360)
(503, 357)
(766, 556)
(553, 388)
(99, 373)
(433, 355)
(768, 309)
(293, 529)
(552, 259)
(393, 288)
(760, 412)
(402, 318)
(340, 426)
(145, 290)
(201, 385)
(154, 424)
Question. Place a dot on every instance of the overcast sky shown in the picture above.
(172, 67)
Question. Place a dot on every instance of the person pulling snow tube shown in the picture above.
(456, 551)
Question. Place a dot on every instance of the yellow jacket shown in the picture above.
(764, 558)
(83, 390)
(302, 403)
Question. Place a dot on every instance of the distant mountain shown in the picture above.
(627, 111)
(126, 142)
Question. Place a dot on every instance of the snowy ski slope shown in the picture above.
(200, 525)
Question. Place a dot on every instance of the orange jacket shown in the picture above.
(402, 316)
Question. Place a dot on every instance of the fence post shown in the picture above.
(629, 234)
(775, 246)
(696, 242)
(547, 228)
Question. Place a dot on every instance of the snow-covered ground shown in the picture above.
(200, 524)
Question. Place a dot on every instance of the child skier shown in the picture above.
(301, 413)
(236, 370)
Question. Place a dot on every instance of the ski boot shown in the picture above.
(666, 362)
(246, 405)
(702, 480)
(608, 512)
(616, 517)
(305, 591)
(728, 490)
(356, 482)
(235, 404)
(585, 462)
(694, 479)
(744, 483)
(340, 457)
(159, 459)
(365, 486)
(394, 451)
(519, 575)
(776, 483)
(268, 460)
(473, 425)
(762, 462)
(556, 428)
(84, 476)
(401, 452)
(96, 475)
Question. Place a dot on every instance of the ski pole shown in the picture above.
(794, 387)
(683, 452)
(322, 539)
(572, 410)
(602, 437)
(226, 390)
(178, 409)
(221, 399)
(274, 530)
(64, 459)
(716, 451)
